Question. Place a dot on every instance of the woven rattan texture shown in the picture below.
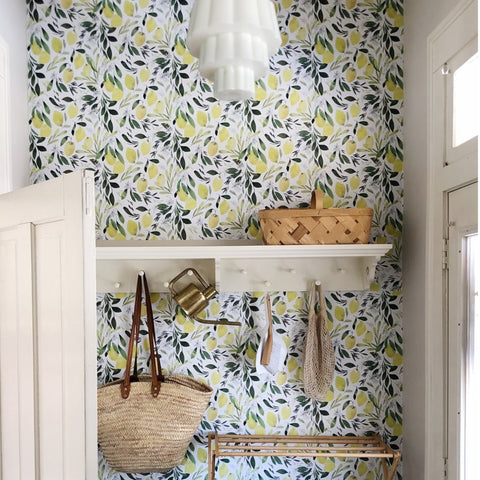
(315, 230)
(143, 434)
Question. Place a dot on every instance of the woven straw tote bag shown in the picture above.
(146, 423)
(319, 354)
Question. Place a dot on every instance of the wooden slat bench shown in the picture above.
(300, 446)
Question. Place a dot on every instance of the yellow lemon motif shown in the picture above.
(283, 112)
(285, 412)
(272, 82)
(68, 148)
(361, 398)
(350, 147)
(145, 147)
(216, 110)
(360, 329)
(151, 98)
(350, 342)
(129, 82)
(45, 131)
(292, 364)
(66, 3)
(339, 313)
(340, 189)
(354, 376)
(351, 3)
(361, 60)
(129, 8)
(340, 117)
(56, 45)
(284, 37)
(117, 94)
(151, 24)
(88, 143)
(260, 93)
(79, 134)
(189, 131)
(355, 37)
(212, 148)
(280, 308)
(144, 74)
(288, 147)
(57, 118)
(71, 37)
(116, 21)
(202, 118)
(140, 112)
(353, 306)
(202, 191)
(281, 378)
(351, 412)
(273, 154)
(294, 170)
(152, 171)
(118, 167)
(142, 185)
(340, 45)
(146, 220)
(327, 57)
(224, 206)
(217, 184)
(131, 155)
(283, 184)
(294, 97)
(351, 75)
(271, 419)
(78, 61)
(223, 134)
(354, 182)
(287, 74)
(211, 343)
(340, 383)
(294, 24)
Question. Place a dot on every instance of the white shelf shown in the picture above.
(237, 266)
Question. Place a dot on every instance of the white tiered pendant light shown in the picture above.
(233, 40)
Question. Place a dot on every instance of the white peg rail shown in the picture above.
(237, 266)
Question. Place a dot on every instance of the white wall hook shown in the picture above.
(243, 271)
(117, 285)
(141, 273)
(341, 270)
(267, 283)
(292, 271)
(318, 283)
(166, 284)
(190, 272)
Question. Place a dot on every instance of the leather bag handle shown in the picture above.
(155, 363)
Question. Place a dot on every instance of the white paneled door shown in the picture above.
(48, 331)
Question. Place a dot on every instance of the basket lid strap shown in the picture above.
(317, 200)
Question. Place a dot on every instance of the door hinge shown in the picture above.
(445, 468)
(445, 254)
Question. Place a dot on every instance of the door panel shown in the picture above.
(48, 401)
(462, 222)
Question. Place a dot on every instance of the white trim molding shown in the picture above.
(444, 42)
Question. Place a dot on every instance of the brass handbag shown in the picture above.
(146, 423)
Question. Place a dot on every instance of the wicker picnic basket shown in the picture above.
(315, 225)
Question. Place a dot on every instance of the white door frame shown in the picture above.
(444, 42)
(5, 151)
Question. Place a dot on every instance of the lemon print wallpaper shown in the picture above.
(114, 89)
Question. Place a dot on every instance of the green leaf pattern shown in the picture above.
(114, 89)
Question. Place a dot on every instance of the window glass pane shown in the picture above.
(465, 101)
(472, 419)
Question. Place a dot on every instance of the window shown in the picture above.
(465, 101)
